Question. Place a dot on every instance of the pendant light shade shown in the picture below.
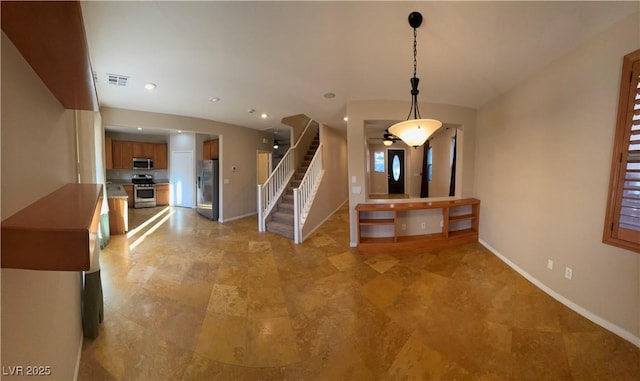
(415, 131)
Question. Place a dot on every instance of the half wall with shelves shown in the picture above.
(382, 226)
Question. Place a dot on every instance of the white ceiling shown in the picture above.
(281, 57)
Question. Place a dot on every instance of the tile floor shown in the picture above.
(193, 299)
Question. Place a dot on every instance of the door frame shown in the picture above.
(269, 156)
(403, 169)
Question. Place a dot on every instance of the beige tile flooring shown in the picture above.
(199, 300)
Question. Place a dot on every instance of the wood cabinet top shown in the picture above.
(413, 205)
(55, 232)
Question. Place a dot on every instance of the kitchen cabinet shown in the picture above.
(160, 156)
(143, 150)
(129, 189)
(210, 149)
(118, 216)
(108, 153)
(122, 154)
(162, 194)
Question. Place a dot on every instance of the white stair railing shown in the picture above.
(276, 183)
(303, 195)
(271, 190)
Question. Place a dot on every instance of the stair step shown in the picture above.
(285, 207)
(283, 217)
(284, 230)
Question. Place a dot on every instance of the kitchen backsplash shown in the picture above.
(127, 174)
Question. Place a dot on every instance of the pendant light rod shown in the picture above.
(415, 131)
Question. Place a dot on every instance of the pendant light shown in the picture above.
(415, 131)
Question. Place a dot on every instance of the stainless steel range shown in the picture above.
(144, 191)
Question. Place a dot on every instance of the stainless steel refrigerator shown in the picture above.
(208, 189)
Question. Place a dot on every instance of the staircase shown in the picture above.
(281, 220)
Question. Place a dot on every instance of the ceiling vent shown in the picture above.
(117, 79)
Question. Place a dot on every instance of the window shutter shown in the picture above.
(622, 225)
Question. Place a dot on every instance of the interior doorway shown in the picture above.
(264, 166)
(395, 171)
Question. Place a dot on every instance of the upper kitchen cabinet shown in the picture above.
(210, 149)
(143, 150)
(160, 156)
(122, 154)
(119, 154)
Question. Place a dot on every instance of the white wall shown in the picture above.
(542, 170)
(40, 309)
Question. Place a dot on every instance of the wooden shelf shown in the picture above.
(377, 221)
(462, 217)
(57, 232)
(377, 240)
(445, 238)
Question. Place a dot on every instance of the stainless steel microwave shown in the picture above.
(142, 163)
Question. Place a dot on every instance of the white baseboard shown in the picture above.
(578, 309)
(237, 217)
(77, 370)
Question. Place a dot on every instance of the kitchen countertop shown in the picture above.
(116, 191)
(128, 182)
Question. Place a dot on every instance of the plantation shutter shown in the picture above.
(623, 213)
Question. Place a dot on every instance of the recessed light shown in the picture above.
(264, 115)
(139, 128)
(251, 111)
(329, 95)
(179, 131)
(214, 99)
(150, 85)
(346, 118)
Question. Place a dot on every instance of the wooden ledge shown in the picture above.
(56, 233)
(413, 205)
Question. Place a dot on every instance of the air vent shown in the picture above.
(117, 79)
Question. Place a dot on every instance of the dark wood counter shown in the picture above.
(57, 232)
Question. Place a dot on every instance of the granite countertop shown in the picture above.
(118, 182)
(116, 191)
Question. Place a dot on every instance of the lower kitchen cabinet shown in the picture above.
(162, 194)
(129, 189)
(118, 216)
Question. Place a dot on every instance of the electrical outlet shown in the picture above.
(423, 225)
(568, 273)
(403, 226)
(550, 264)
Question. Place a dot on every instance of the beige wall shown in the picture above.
(542, 169)
(359, 111)
(40, 309)
(238, 147)
(333, 189)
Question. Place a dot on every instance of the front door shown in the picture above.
(395, 171)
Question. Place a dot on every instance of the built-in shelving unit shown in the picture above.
(460, 224)
(57, 232)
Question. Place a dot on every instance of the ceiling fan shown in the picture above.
(389, 138)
